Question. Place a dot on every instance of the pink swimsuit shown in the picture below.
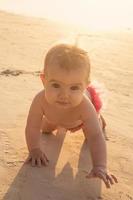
(95, 97)
(96, 101)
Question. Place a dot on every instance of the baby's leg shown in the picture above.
(47, 127)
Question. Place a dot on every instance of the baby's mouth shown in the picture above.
(63, 103)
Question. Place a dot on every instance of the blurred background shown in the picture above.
(92, 14)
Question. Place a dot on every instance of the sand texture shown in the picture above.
(23, 44)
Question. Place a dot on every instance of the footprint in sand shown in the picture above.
(4, 147)
(7, 156)
(9, 72)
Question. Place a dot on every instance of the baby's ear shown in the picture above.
(42, 76)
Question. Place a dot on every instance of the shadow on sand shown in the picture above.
(59, 180)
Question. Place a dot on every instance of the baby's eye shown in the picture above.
(55, 85)
(75, 88)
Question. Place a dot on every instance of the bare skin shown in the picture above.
(67, 119)
(64, 104)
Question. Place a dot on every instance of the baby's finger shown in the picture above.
(114, 178)
(104, 178)
(99, 175)
(109, 178)
(39, 162)
(44, 160)
(45, 157)
(33, 162)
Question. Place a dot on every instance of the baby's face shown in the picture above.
(64, 88)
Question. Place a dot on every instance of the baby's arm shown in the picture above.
(94, 136)
(96, 141)
(33, 134)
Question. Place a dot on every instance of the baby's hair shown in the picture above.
(67, 57)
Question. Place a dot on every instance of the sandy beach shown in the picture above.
(23, 44)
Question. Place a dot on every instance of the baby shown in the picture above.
(66, 103)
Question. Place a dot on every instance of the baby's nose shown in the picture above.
(64, 94)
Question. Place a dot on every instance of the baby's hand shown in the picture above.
(100, 172)
(37, 158)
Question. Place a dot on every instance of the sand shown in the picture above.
(23, 43)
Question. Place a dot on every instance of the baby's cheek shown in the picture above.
(51, 96)
(77, 98)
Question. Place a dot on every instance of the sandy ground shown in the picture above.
(23, 43)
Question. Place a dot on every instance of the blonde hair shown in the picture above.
(67, 57)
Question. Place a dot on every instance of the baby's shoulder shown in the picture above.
(40, 94)
(85, 107)
(40, 97)
(86, 102)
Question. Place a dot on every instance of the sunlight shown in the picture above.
(88, 13)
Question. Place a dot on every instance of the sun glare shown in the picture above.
(88, 13)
